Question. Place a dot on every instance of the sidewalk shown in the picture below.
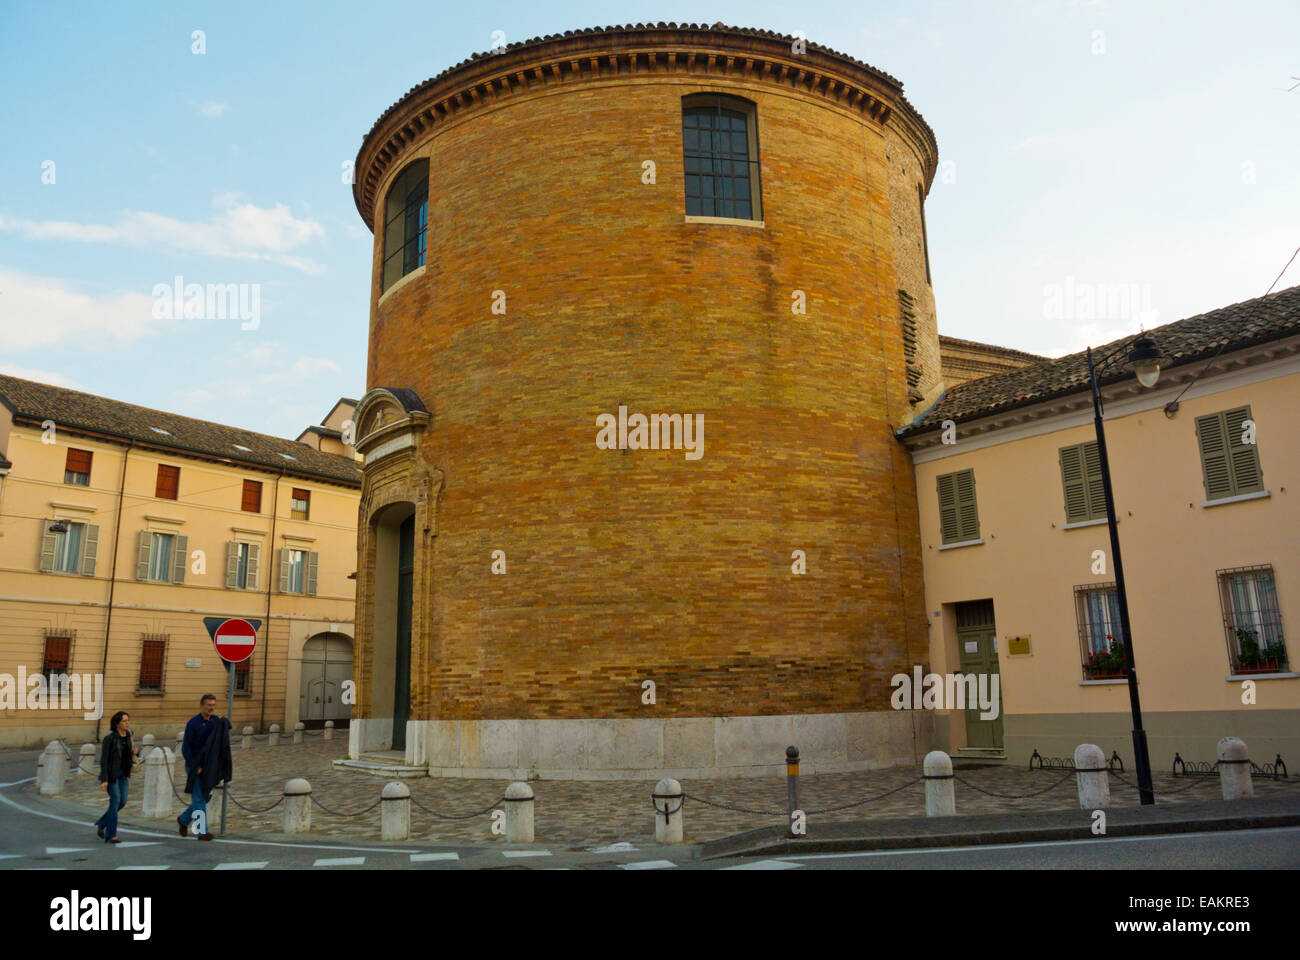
(601, 812)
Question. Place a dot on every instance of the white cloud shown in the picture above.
(302, 369)
(211, 108)
(40, 376)
(41, 312)
(240, 231)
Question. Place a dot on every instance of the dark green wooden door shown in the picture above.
(977, 638)
(402, 662)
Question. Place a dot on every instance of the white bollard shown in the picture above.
(940, 796)
(88, 761)
(395, 812)
(1234, 770)
(158, 795)
(297, 806)
(180, 740)
(298, 728)
(329, 730)
(275, 735)
(1092, 776)
(247, 742)
(146, 744)
(669, 816)
(53, 768)
(519, 813)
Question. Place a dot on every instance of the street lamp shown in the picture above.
(1145, 357)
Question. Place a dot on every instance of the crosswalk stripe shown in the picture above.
(152, 866)
(137, 843)
(648, 865)
(339, 862)
(246, 865)
(765, 865)
(425, 857)
(621, 847)
(10, 856)
(526, 853)
(53, 850)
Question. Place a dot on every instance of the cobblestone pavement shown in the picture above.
(606, 811)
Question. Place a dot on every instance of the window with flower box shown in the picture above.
(1101, 641)
(1252, 622)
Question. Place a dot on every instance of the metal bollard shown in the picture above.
(329, 730)
(297, 806)
(275, 735)
(86, 761)
(298, 729)
(1234, 770)
(246, 742)
(668, 800)
(792, 787)
(158, 794)
(940, 796)
(52, 768)
(519, 813)
(1092, 777)
(395, 812)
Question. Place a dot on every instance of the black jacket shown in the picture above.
(213, 758)
(110, 757)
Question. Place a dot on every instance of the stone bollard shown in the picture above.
(275, 735)
(158, 794)
(87, 763)
(395, 812)
(519, 813)
(298, 729)
(1092, 776)
(329, 730)
(669, 819)
(1234, 770)
(247, 742)
(180, 740)
(297, 806)
(940, 797)
(52, 769)
(146, 744)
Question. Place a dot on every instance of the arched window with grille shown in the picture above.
(406, 221)
(720, 150)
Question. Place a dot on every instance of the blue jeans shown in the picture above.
(117, 790)
(198, 804)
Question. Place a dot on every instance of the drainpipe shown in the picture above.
(275, 508)
(112, 573)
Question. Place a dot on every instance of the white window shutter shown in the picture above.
(143, 544)
(90, 550)
(180, 557)
(284, 570)
(313, 561)
(254, 553)
(232, 565)
(49, 544)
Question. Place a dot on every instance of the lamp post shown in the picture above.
(1145, 357)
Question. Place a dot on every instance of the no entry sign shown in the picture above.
(235, 639)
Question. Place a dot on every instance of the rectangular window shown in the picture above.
(1229, 464)
(1252, 620)
(160, 556)
(76, 470)
(1085, 493)
(168, 482)
(241, 565)
(720, 154)
(252, 500)
(297, 570)
(153, 655)
(58, 652)
(244, 676)
(958, 518)
(1101, 641)
(299, 504)
(67, 546)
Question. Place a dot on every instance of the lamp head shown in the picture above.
(1145, 357)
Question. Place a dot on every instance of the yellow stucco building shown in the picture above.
(122, 528)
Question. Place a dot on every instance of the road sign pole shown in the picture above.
(230, 708)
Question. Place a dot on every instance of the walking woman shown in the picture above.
(115, 762)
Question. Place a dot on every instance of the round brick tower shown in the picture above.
(718, 226)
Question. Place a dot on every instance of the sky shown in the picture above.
(1104, 164)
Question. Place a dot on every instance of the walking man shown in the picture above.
(197, 731)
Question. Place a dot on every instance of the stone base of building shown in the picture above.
(683, 748)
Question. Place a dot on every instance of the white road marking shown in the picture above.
(10, 856)
(766, 865)
(247, 865)
(17, 783)
(339, 862)
(425, 857)
(53, 850)
(648, 865)
(621, 847)
(137, 843)
(149, 867)
(526, 853)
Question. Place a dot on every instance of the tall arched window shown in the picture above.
(720, 148)
(406, 221)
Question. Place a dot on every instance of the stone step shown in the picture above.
(383, 768)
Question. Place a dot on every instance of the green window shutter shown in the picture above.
(1243, 458)
(90, 550)
(180, 557)
(232, 564)
(1074, 483)
(313, 560)
(1212, 435)
(949, 527)
(142, 546)
(284, 570)
(254, 552)
(1093, 481)
(49, 543)
(969, 516)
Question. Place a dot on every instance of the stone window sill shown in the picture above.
(734, 221)
(1257, 495)
(963, 543)
(1238, 677)
(1102, 683)
(401, 282)
(1085, 523)
(150, 693)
